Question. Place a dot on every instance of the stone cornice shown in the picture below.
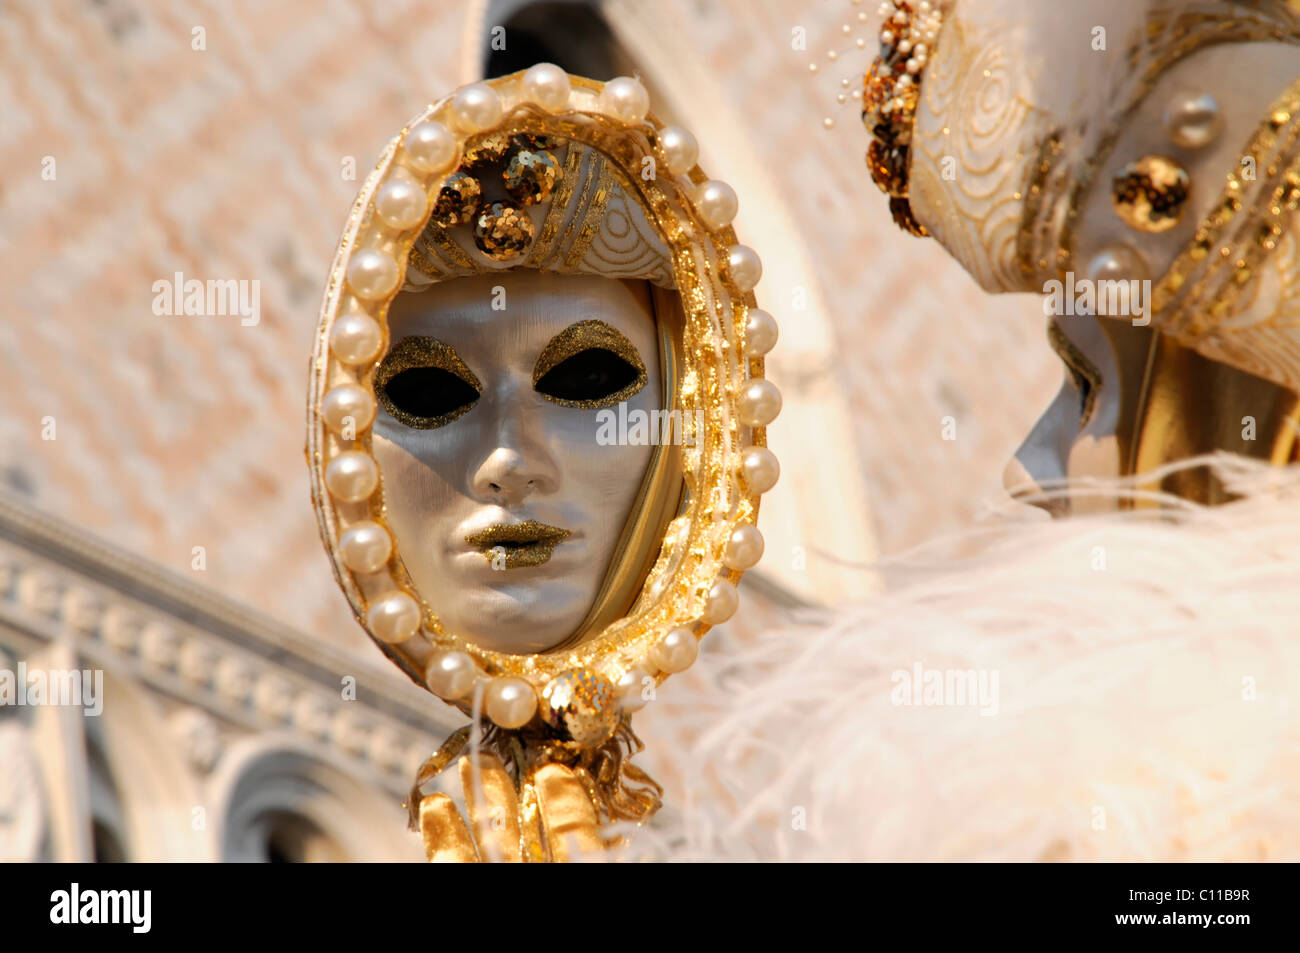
(58, 583)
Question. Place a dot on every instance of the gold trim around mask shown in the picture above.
(714, 366)
(658, 500)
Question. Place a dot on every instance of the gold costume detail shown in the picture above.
(582, 703)
(1151, 193)
(502, 231)
(1044, 140)
(539, 789)
(531, 799)
(1011, 218)
(890, 93)
(1246, 235)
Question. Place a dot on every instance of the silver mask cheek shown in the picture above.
(507, 514)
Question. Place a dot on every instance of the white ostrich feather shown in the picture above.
(1146, 710)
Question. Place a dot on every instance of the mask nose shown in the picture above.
(1018, 481)
(508, 477)
(1022, 487)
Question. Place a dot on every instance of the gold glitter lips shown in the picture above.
(518, 545)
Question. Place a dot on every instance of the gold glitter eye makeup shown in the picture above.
(424, 384)
(589, 365)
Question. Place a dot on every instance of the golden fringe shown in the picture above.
(620, 791)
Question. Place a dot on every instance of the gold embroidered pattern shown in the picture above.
(546, 237)
(592, 215)
(1205, 283)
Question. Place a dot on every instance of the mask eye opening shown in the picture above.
(589, 365)
(423, 383)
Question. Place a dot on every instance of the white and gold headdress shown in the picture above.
(1038, 139)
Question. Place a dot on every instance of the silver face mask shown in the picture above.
(506, 503)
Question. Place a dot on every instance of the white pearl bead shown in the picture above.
(355, 338)
(430, 147)
(1194, 120)
(716, 204)
(680, 149)
(348, 410)
(371, 274)
(510, 702)
(1117, 263)
(760, 332)
(722, 604)
(744, 267)
(352, 476)
(760, 468)
(744, 548)
(676, 651)
(631, 689)
(625, 99)
(450, 675)
(401, 201)
(759, 403)
(475, 108)
(548, 86)
(394, 617)
(365, 547)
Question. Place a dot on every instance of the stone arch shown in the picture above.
(279, 799)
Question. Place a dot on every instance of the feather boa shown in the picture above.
(1141, 701)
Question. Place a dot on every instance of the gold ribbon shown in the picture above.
(619, 791)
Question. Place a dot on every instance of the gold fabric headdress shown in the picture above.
(580, 220)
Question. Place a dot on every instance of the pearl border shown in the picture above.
(366, 275)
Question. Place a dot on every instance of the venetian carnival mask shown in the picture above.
(536, 428)
(1138, 164)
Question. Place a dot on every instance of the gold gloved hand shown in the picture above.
(550, 818)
